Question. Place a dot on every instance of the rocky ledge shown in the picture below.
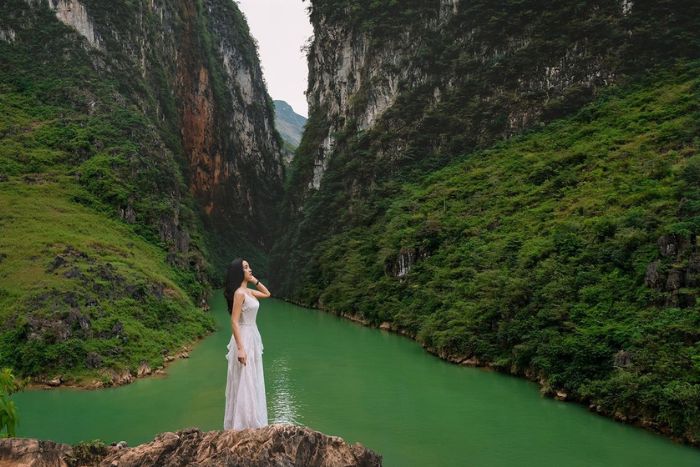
(273, 445)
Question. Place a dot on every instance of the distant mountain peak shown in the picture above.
(289, 124)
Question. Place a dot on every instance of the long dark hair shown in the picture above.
(234, 277)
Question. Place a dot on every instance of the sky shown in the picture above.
(281, 28)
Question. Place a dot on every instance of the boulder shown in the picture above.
(143, 370)
(272, 445)
(24, 452)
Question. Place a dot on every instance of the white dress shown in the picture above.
(246, 406)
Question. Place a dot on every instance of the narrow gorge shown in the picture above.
(513, 185)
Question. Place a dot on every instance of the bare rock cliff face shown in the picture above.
(508, 66)
(274, 445)
(73, 13)
(196, 72)
(234, 154)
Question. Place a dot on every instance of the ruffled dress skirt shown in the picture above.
(246, 406)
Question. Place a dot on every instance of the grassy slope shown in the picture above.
(81, 290)
(114, 299)
(537, 250)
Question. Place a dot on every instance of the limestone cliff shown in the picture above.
(495, 68)
(199, 62)
(139, 157)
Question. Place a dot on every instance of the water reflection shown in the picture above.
(284, 406)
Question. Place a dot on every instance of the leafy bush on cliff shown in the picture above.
(8, 410)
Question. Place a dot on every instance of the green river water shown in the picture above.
(362, 384)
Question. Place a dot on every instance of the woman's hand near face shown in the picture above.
(262, 291)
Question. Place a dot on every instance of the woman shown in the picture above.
(246, 406)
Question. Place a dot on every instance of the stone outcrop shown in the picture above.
(32, 452)
(273, 445)
(399, 265)
(676, 270)
(74, 14)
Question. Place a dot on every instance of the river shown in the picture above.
(365, 385)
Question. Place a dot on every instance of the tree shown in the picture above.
(8, 411)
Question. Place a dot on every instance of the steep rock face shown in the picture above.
(273, 445)
(73, 13)
(517, 64)
(214, 97)
(235, 161)
(398, 90)
(354, 79)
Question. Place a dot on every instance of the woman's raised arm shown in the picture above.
(262, 291)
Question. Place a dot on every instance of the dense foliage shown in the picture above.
(499, 67)
(8, 410)
(547, 254)
(566, 254)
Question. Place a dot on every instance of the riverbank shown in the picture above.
(569, 252)
(110, 377)
(545, 387)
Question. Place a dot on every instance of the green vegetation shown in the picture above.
(102, 256)
(498, 68)
(491, 212)
(81, 291)
(106, 254)
(8, 410)
(555, 254)
(88, 453)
